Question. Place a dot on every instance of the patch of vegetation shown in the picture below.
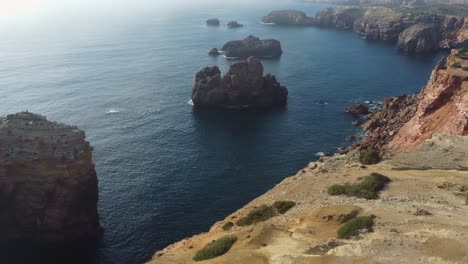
(283, 206)
(367, 188)
(465, 68)
(228, 226)
(369, 157)
(215, 248)
(257, 215)
(352, 227)
(456, 65)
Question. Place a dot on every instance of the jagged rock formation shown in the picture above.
(234, 24)
(244, 86)
(213, 22)
(253, 46)
(288, 17)
(412, 32)
(384, 123)
(441, 108)
(48, 185)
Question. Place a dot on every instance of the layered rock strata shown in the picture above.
(48, 185)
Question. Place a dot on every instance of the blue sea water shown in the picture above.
(165, 171)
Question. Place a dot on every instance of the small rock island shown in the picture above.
(213, 22)
(253, 46)
(244, 86)
(234, 24)
(48, 185)
(288, 17)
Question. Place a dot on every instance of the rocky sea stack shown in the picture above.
(253, 46)
(48, 185)
(213, 22)
(288, 17)
(244, 86)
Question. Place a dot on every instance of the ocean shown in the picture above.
(166, 171)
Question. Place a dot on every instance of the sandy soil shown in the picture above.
(431, 179)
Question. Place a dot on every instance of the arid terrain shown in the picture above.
(421, 216)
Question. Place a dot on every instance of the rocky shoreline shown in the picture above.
(411, 33)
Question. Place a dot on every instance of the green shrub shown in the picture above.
(352, 227)
(228, 226)
(368, 187)
(257, 215)
(369, 157)
(337, 189)
(215, 248)
(456, 65)
(283, 206)
(465, 68)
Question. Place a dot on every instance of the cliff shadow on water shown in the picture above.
(79, 252)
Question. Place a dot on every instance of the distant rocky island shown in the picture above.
(213, 22)
(253, 46)
(244, 86)
(48, 185)
(412, 33)
(234, 24)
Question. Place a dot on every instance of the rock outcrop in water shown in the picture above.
(441, 108)
(213, 52)
(48, 185)
(288, 17)
(412, 32)
(253, 46)
(244, 86)
(234, 24)
(213, 22)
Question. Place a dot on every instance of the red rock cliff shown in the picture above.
(48, 185)
(442, 107)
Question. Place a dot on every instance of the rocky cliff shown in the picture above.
(244, 86)
(48, 185)
(288, 17)
(442, 106)
(412, 32)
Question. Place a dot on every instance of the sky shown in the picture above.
(24, 9)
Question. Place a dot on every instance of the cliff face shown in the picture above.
(411, 32)
(48, 185)
(442, 107)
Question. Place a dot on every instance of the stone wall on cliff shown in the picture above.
(48, 185)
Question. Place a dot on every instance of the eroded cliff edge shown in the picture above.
(48, 185)
(419, 217)
(440, 108)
